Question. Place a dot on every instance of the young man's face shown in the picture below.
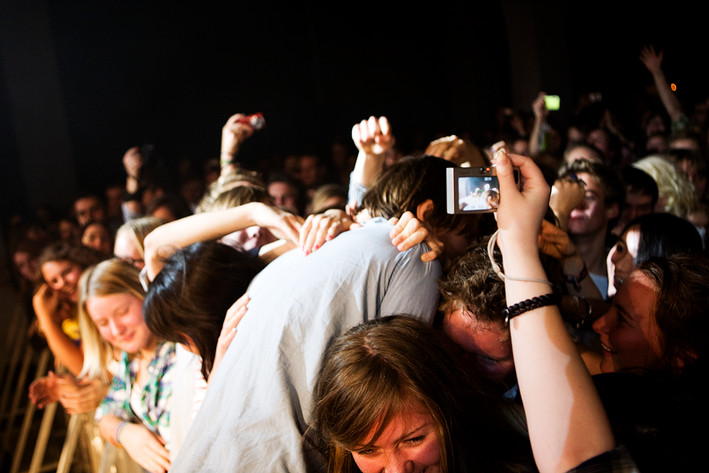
(485, 344)
(636, 204)
(593, 214)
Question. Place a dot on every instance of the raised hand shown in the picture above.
(373, 136)
(651, 59)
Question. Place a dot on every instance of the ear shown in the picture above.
(612, 211)
(423, 209)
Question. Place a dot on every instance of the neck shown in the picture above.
(592, 247)
(148, 351)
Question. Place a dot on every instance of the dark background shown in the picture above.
(100, 77)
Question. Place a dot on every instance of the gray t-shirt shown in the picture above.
(258, 403)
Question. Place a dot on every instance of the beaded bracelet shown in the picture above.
(529, 304)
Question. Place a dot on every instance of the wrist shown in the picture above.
(226, 158)
(117, 433)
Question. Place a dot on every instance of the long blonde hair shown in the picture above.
(112, 276)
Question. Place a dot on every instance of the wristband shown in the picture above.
(226, 158)
(116, 439)
(530, 304)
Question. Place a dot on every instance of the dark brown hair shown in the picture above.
(682, 306)
(381, 369)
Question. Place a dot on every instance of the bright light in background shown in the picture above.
(673, 86)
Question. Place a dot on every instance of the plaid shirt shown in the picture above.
(155, 395)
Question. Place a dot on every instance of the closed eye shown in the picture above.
(365, 452)
(415, 440)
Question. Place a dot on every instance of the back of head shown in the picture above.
(409, 183)
(665, 234)
(189, 297)
(141, 226)
(169, 206)
(674, 188)
(329, 196)
(235, 197)
(472, 284)
(112, 276)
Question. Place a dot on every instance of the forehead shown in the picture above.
(637, 297)
(400, 424)
(100, 306)
(593, 184)
(280, 187)
(475, 335)
(95, 228)
(637, 198)
(51, 268)
(86, 202)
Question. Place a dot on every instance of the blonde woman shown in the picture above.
(135, 412)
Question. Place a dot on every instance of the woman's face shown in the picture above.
(26, 265)
(63, 277)
(119, 319)
(621, 258)
(628, 332)
(408, 444)
(96, 236)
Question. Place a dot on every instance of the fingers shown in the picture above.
(229, 328)
(321, 228)
(384, 126)
(372, 135)
(290, 227)
(408, 232)
(237, 128)
(158, 460)
(531, 176)
(234, 314)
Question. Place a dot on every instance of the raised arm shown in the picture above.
(653, 62)
(539, 126)
(235, 131)
(372, 137)
(566, 420)
(168, 237)
(48, 307)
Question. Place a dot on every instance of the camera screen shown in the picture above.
(478, 193)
